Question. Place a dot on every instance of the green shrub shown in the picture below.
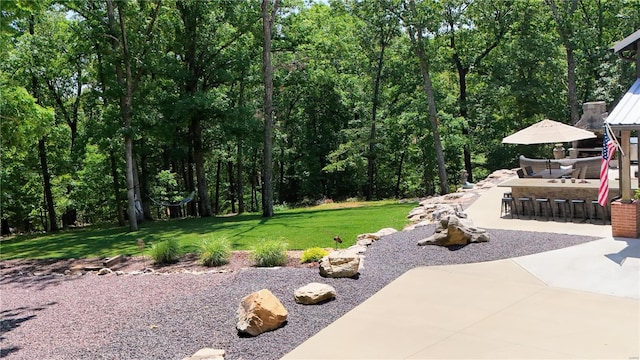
(165, 252)
(215, 252)
(270, 253)
(281, 207)
(313, 254)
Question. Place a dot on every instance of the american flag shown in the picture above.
(608, 151)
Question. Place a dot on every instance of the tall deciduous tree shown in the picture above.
(416, 30)
(381, 28)
(474, 30)
(42, 149)
(128, 73)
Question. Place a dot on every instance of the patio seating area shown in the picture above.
(567, 199)
(591, 166)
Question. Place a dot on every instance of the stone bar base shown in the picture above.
(625, 219)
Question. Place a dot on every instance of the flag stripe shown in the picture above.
(608, 151)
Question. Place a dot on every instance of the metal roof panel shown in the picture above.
(625, 44)
(627, 111)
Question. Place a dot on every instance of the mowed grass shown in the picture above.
(301, 229)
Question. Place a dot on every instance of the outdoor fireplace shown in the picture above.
(593, 116)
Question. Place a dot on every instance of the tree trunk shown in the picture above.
(462, 103)
(267, 188)
(131, 192)
(572, 92)
(46, 178)
(281, 190)
(254, 183)
(371, 156)
(4, 228)
(399, 176)
(144, 187)
(191, 186)
(217, 200)
(232, 191)
(204, 204)
(138, 193)
(239, 187)
(116, 190)
(69, 217)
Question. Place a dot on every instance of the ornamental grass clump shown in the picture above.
(215, 251)
(314, 254)
(165, 252)
(269, 253)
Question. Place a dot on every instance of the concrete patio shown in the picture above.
(578, 302)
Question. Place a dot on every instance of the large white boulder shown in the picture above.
(454, 230)
(314, 293)
(341, 263)
(259, 312)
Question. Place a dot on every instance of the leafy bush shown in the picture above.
(313, 254)
(270, 253)
(281, 207)
(215, 252)
(165, 252)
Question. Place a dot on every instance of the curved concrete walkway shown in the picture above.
(581, 302)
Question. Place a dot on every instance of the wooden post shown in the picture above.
(625, 175)
(638, 59)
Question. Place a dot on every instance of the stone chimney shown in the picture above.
(593, 115)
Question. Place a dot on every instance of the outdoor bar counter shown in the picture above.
(555, 189)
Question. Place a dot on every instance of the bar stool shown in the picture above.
(563, 208)
(575, 202)
(594, 212)
(507, 207)
(526, 200)
(540, 202)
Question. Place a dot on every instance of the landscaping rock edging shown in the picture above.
(432, 209)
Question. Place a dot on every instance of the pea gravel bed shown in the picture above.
(172, 316)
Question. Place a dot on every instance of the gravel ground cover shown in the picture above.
(172, 316)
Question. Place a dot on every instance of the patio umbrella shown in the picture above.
(548, 131)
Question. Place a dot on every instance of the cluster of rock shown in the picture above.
(452, 225)
(100, 270)
(432, 209)
(455, 229)
(262, 311)
(349, 262)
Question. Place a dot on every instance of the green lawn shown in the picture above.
(300, 228)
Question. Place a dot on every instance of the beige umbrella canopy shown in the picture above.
(548, 131)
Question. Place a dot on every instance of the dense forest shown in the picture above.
(111, 110)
